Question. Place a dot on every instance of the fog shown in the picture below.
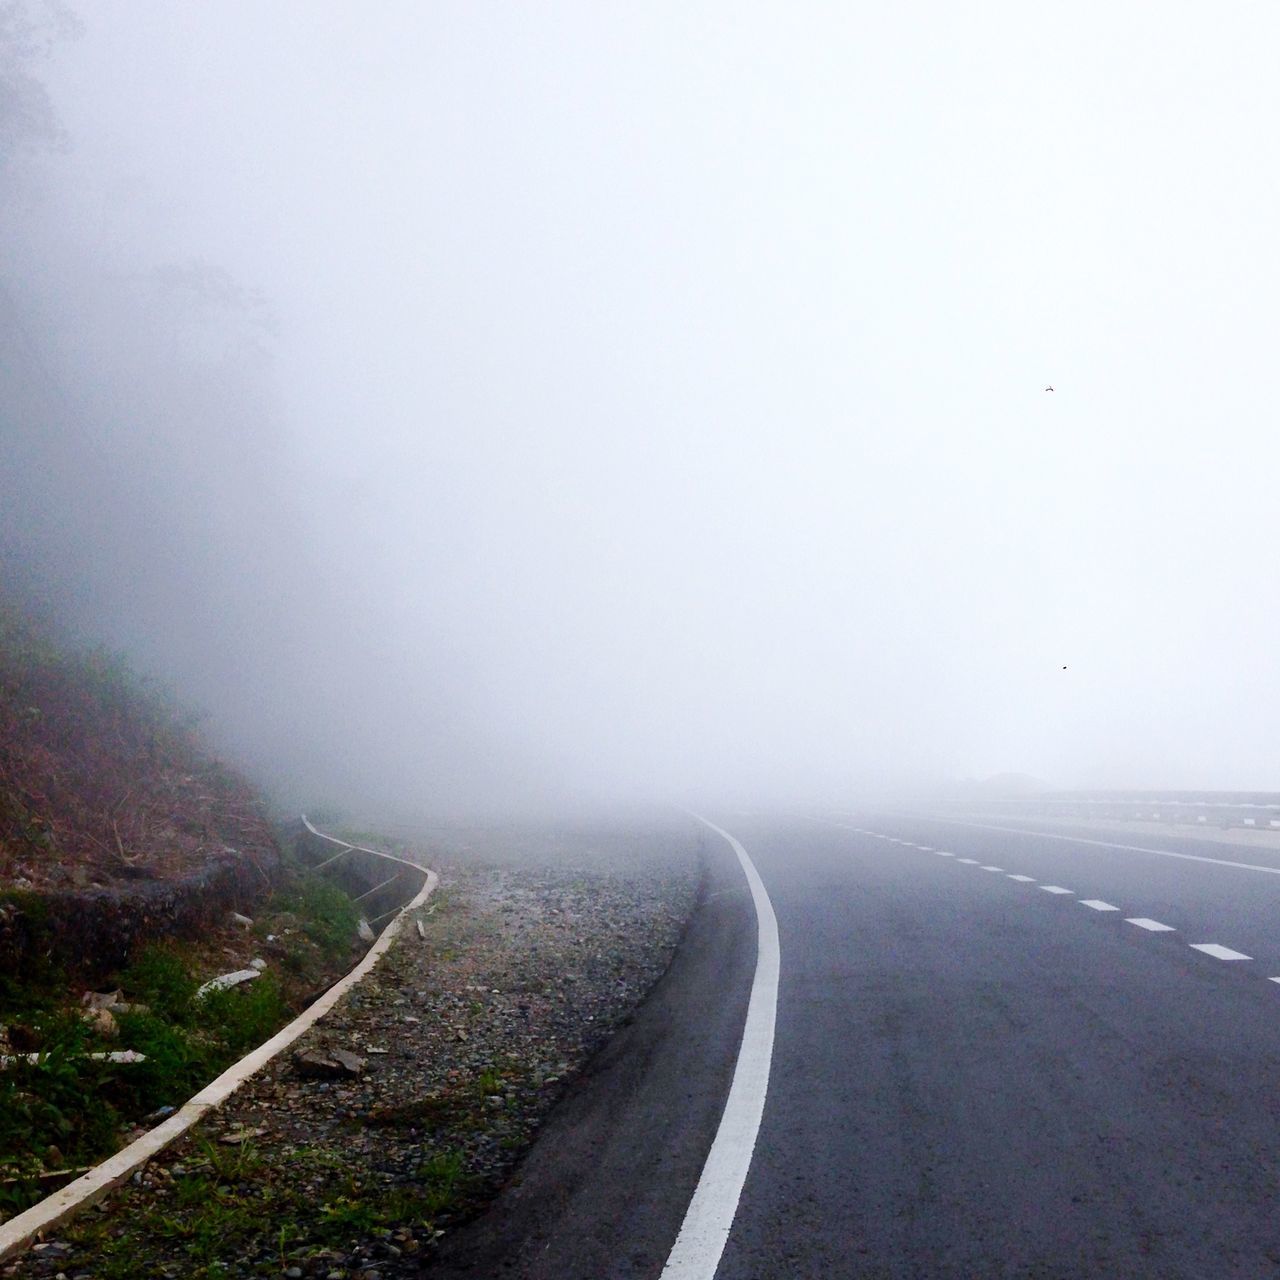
(469, 407)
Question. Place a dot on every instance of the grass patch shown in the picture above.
(231, 1203)
(65, 1110)
(161, 978)
(329, 918)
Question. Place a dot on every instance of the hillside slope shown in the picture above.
(102, 782)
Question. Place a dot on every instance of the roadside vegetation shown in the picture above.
(107, 794)
(61, 1108)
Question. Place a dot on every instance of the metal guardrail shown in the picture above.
(1219, 809)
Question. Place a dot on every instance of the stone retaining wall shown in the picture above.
(95, 931)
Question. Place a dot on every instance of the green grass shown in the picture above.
(328, 917)
(72, 1109)
(160, 977)
(67, 1111)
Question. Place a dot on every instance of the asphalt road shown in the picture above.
(972, 1075)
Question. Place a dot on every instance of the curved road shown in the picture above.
(1032, 1051)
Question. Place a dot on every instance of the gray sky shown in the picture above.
(659, 389)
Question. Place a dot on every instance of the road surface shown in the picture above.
(1001, 1049)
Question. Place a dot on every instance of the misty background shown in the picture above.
(472, 407)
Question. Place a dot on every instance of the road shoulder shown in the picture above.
(606, 1186)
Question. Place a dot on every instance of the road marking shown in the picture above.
(1214, 949)
(1218, 952)
(1107, 844)
(1273, 979)
(705, 1230)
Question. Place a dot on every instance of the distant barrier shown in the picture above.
(1224, 809)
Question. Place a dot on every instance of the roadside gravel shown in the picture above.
(537, 946)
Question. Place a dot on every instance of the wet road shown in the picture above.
(997, 1053)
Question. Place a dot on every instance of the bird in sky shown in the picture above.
(1048, 388)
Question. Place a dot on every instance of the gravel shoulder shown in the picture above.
(537, 946)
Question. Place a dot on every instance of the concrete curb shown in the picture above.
(19, 1232)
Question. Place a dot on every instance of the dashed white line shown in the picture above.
(1214, 949)
(1218, 952)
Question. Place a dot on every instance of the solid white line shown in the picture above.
(1055, 888)
(1107, 844)
(1023, 879)
(1153, 925)
(1097, 904)
(1218, 952)
(705, 1230)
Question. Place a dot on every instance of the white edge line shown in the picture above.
(709, 1218)
(19, 1231)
